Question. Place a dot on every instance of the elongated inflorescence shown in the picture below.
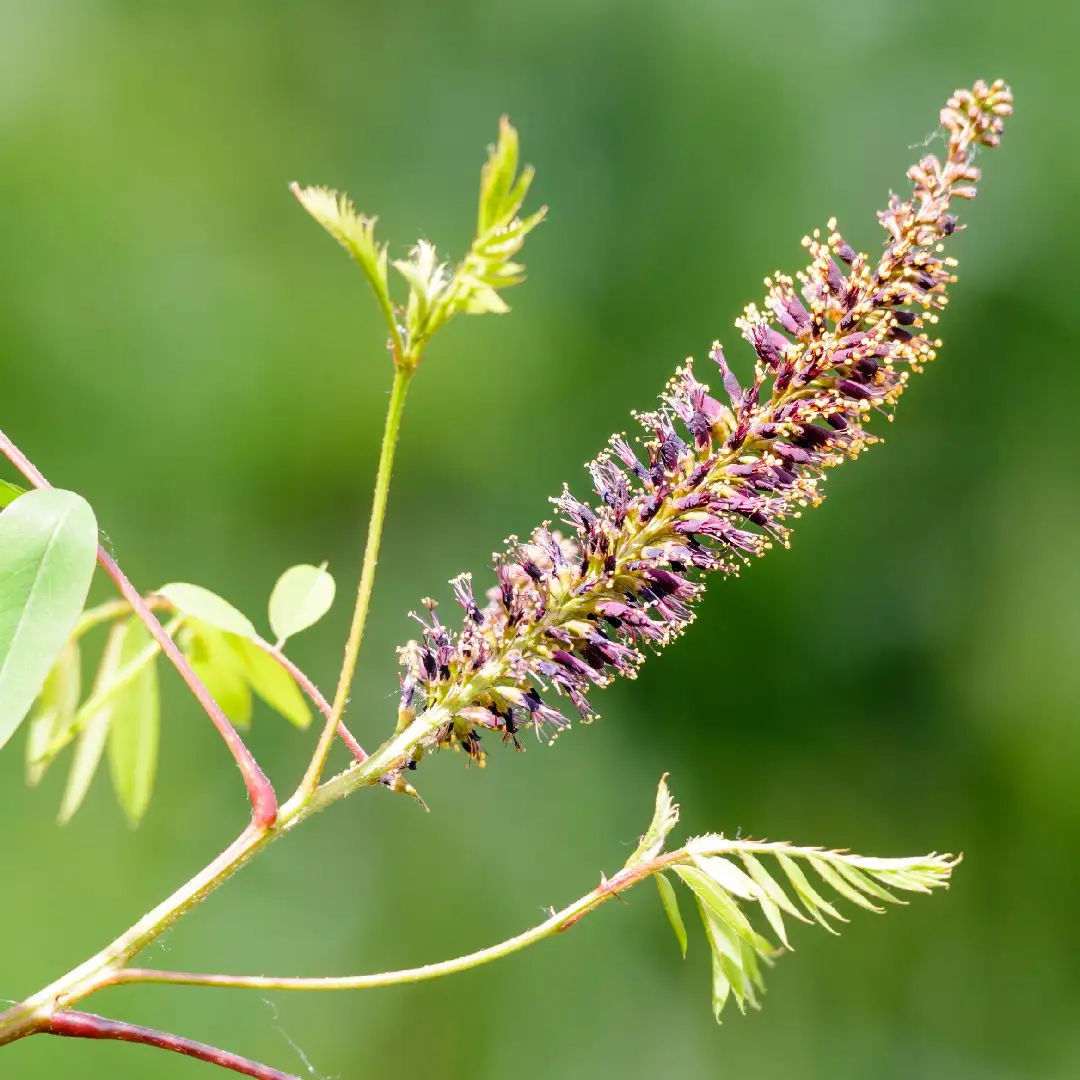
(713, 483)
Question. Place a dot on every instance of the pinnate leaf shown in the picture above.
(301, 597)
(722, 891)
(48, 546)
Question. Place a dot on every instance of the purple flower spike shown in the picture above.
(709, 487)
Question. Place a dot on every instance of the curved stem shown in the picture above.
(259, 789)
(556, 924)
(313, 692)
(110, 611)
(79, 1025)
(403, 373)
(33, 1013)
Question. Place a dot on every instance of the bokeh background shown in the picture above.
(180, 343)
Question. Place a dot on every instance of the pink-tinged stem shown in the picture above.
(260, 790)
(315, 694)
(80, 1025)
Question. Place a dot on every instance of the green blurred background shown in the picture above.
(180, 343)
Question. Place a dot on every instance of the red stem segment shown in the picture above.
(260, 790)
(80, 1025)
(316, 696)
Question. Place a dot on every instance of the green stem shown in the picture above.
(32, 1015)
(556, 924)
(103, 613)
(403, 373)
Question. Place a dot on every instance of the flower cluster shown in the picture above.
(713, 482)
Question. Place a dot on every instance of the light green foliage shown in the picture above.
(671, 907)
(105, 689)
(437, 294)
(354, 232)
(54, 711)
(430, 286)
(270, 681)
(48, 546)
(90, 744)
(665, 818)
(222, 646)
(729, 881)
(500, 232)
(124, 683)
(208, 607)
(217, 665)
(302, 596)
(9, 492)
(721, 887)
(133, 731)
(231, 667)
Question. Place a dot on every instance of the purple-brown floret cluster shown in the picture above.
(715, 478)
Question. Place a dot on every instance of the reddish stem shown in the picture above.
(80, 1025)
(259, 789)
(315, 694)
(349, 740)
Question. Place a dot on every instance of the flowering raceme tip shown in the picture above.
(714, 482)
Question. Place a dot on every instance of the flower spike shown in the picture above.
(715, 482)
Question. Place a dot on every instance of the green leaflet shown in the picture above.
(301, 597)
(90, 744)
(103, 693)
(55, 710)
(716, 899)
(728, 876)
(218, 666)
(48, 546)
(866, 884)
(671, 907)
(355, 232)
(843, 887)
(232, 667)
(728, 963)
(770, 887)
(271, 682)
(816, 905)
(200, 603)
(9, 493)
(133, 732)
(665, 818)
